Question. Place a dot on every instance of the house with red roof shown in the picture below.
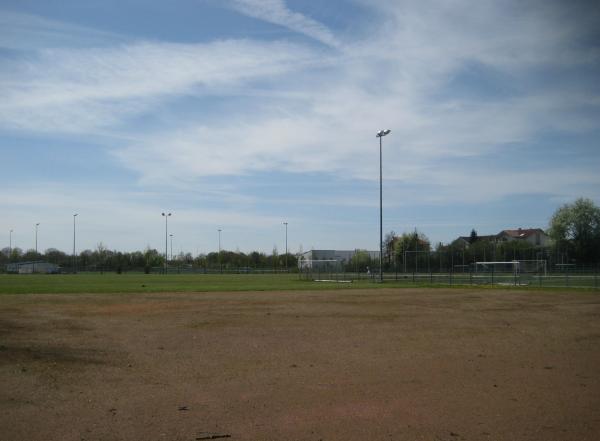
(535, 236)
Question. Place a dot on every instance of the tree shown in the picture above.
(576, 227)
(473, 236)
(360, 261)
(388, 246)
(413, 247)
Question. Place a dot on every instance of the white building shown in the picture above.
(330, 258)
(32, 267)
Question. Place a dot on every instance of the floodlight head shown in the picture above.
(162, 214)
(37, 224)
(169, 214)
(386, 131)
(75, 214)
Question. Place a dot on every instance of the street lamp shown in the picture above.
(220, 265)
(286, 248)
(380, 135)
(74, 255)
(171, 236)
(36, 235)
(36, 248)
(166, 216)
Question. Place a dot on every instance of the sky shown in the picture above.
(241, 115)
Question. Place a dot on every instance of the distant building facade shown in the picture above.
(310, 259)
(534, 236)
(32, 267)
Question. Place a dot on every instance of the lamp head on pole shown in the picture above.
(383, 133)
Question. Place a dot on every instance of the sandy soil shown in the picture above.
(409, 364)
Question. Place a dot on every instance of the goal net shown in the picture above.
(511, 267)
(534, 266)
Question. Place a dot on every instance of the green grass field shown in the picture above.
(131, 283)
(139, 283)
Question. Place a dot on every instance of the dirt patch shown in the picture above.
(409, 364)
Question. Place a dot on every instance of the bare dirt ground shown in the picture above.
(406, 364)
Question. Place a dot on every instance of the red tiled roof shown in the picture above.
(522, 232)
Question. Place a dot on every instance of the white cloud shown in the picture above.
(276, 12)
(19, 31)
(80, 90)
(298, 111)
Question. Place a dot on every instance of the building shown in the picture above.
(534, 236)
(465, 241)
(32, 267)
(330, 258)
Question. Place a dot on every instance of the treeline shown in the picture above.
(413, 252)
(574, 229)
(103, 259)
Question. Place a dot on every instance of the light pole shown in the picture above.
(74, 255)
(171, 236)
(36, 235)
(380, 135)
(10, 244)
(286, 248)
(220, 266)
(166, 216)
(36, 248)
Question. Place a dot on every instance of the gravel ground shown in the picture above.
(386, 364)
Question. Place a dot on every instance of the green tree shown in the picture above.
(412, 249)
(576, 227)
(473, 236)
(360, 261)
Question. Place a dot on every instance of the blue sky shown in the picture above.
(244, 114)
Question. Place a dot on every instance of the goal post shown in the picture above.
(533, 266)
(537, 266)
(511, 266)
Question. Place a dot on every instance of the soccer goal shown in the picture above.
(497, 267)
(533, 266)
(515, 267)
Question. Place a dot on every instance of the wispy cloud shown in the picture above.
(19, 31)
(79, 90)
(450, 80)
(277, 12)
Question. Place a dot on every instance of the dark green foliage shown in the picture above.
(575, 229)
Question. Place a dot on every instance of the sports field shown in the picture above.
(302, 364)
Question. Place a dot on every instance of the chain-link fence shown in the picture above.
(559, 277)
